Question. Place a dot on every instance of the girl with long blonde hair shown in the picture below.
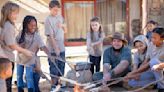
(9, 14)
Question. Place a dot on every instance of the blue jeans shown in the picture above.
(60, 65)
(145, 78)
(29, 76)
(36, 77)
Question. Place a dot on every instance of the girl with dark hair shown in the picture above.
(29, 39)
(95, 43)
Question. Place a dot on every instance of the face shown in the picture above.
(32, 26)
(140, 47)
(156, 39)
(150, 27)
(8, 72)
(54, 11)
(117, 43)
(13, 16)
(95, 26)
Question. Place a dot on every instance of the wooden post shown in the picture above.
(144, 15)
(128, 19)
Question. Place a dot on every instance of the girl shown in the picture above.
(141, 44)
(94, 43)
(155, 51)
(150, 26)
(9, 13)
(29, 39)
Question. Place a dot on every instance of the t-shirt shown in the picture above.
(97, 49)
(3, 85)
(114, 59)
(154, 52)
(8, 38)
(139, 58)
(33, 42)
(148, 35)
(51, 28)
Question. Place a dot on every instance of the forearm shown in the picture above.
(53, 42)
(97, 43)
(45, 50)
(17, 48)
(134, 67)
(143, 68)
(121, 67)
(64, 28)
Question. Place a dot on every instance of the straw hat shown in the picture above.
(117, 35)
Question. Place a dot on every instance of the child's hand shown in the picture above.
(60, 25)
(57, 51)
(28, 53)
(92, 44)
(106, 77)
(130, 75)
(156, 68)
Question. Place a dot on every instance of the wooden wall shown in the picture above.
(77, 16)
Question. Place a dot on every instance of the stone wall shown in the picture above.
(156, 11)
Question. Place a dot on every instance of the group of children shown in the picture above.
(27, 43)
(148, 60)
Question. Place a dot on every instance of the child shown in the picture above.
(5, 72)
(95, 43)
(155, 50)
(54, 30)
(150, 26)
(29, 39)
(141, 44)
(9, 13)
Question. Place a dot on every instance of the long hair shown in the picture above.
(95, 19)
(26, 21)
(6, 11)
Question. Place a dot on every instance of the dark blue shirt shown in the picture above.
(114, 59)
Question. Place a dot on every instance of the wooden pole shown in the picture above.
(144, 15)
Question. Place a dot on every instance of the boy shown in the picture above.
(5, 72)
(54, 30)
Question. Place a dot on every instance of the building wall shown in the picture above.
(155, 11)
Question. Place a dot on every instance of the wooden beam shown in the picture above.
(144, 15)
(128, 19)
(95, 8)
